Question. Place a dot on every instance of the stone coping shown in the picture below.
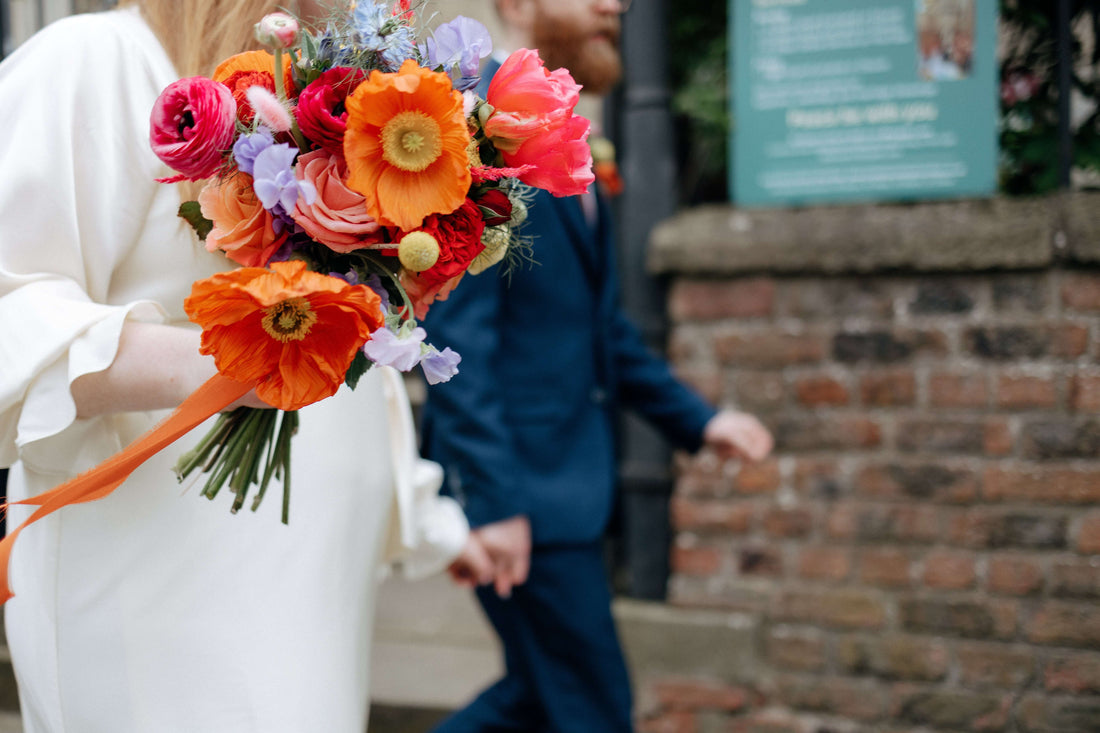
(966, 235)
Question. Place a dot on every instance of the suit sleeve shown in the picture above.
(464, 421)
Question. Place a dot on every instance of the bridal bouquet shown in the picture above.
(355, 177)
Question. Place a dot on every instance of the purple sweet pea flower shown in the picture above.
(248, 147)
(274, 181)
(402, 352)
(440, 366)
(463, 41)
(374, 282)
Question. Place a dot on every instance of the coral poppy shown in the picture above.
(405, 145)
(249, 69)
(290, 331)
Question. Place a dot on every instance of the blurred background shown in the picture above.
(922, 552)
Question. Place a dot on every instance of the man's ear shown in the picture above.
(518, 14)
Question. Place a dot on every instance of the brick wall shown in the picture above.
(923, 550)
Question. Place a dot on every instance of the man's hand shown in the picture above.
(734, 434)
(508, 543)
(473, 566)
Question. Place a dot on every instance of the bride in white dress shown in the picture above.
(154, 610)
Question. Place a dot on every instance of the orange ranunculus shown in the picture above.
(405, 145)
(243, 228)
(290, 331)
(252, 68)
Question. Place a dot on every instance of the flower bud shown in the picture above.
(496, 241)
(418, 251)
(277, 30)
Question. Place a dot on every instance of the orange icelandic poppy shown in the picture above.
(405, 145)
(291, 332)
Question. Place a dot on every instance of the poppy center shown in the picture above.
(411, 141)
(289, 320)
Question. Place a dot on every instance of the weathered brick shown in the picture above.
(824, 563)
(1069, 340)
(828, 432)
(885, 566)
(1076, 673)
(1066, 624)
(794, 648)
(1060, 438)
(940, 435)
(768, 348)
(788, 521)
(895, 657)
(695, 560)
(1005, 343)
(689, 344)
(770, 721)
(707, 477)
(1088, 534)
(953, 709)
(1023, 391)
(819, 478)
(880, 523)
(671, 721)
(1081, 292)
(986, 528)
(760, 561)
(958, 390)
(707, 381)
(713, 516)
(758, 391)
(1014, 575)
(949, 571)
(961, 617)
(1021, 294)
(704, 300)
(941, 296)
(839, 608)
(886, 347)
(820, 391)
(997, 438)
(1084, 392)
(863, 700)
(811, 298)
(1075, 579)
(1041, 484)
(888, 389)
(695, 694)
(995, 665)
(1040, 714)
(917, 481)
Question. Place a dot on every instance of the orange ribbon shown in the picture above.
(212, 397)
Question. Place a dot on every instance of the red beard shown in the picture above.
(592, 59)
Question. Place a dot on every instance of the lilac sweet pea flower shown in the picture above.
(248, 147)
(400, 351)
(274, 181)
(463, 41)
(440, 366)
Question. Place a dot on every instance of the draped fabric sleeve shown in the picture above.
(76, 184)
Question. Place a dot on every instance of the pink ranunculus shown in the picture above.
(561, 159)
(527, 99)
(338, 217)
(191, 127)
(320, 111)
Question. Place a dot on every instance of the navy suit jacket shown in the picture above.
(548, 357)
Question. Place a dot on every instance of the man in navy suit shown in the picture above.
(526, 434)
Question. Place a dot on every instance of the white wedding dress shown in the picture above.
(155, 610)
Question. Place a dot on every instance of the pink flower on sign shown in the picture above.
(338, 217)
(192, 125)
(527, 99)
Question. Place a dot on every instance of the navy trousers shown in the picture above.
(564, 667)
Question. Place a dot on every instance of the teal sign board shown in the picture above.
(862, 100)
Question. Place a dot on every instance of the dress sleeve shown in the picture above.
(74, 196)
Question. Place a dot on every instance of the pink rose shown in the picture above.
(192, 125)
(243, 228)
(338, 217)
(527, 99)
(560, 159)
(321, 113)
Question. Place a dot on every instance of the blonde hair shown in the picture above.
(199, 34)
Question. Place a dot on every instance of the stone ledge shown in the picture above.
(980, 234)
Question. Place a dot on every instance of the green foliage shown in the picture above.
(359, 366)
(191, 212)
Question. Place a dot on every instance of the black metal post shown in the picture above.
(4, 34)
(1065, 90)
(642, 126)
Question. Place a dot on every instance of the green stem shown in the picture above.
(381, 267)
(193, 458)
(257, 431)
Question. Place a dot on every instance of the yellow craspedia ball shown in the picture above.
(418, 251)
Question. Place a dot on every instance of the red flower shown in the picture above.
(561, 159)
(496, 207)
(321, 113)
(459, 237)
(191, 126)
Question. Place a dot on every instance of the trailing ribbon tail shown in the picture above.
(213, 396)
